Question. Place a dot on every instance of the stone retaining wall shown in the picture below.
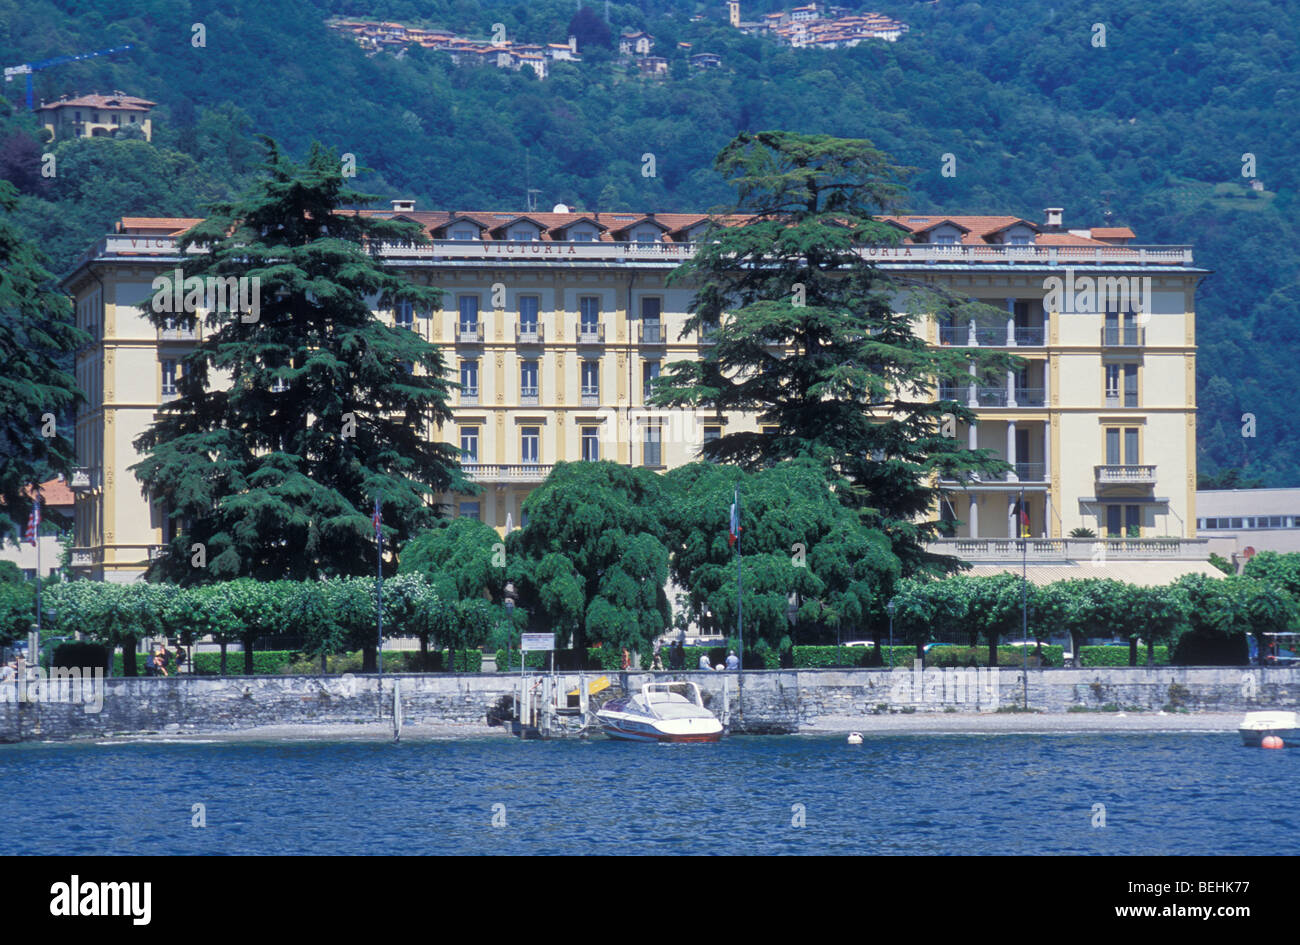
(757, 702)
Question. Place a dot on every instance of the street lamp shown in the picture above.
(510, 618)
(891, 608)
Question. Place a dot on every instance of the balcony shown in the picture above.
(470, 333)
(590, 397)
(528, 396)
(1073, 550)
(80, 479)
(1114, 399)
(708, 335)
(495, 472)
(652, 333)
(994, 396)
(178, 333)
(469, 396)
(155, 551)
(530, 333)
(591, 334)
(1020, 472)
(960, 336)
(83, 557)
(169, 393)
(1125, 474)
(1126, 336)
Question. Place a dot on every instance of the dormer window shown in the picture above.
(523, 231)
(645, 234)
(462, 233)
(945, 239)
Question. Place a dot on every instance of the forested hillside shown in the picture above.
(1148, 131)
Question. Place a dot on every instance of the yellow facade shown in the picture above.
(1083, 449)
(96, 116)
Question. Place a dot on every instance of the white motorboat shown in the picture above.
(1256, 726)
(661, 712)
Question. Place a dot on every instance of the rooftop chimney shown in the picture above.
(403, 206)
(1054, 217)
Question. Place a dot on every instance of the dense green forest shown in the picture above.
(1148, 130)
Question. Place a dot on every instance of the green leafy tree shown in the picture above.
(594, 528)
(926, 610)
(111, 614)
(1280, 569)
(1155, 614)
(1221, 611)
(813, 342)
(996, 609)
(463, 557)
(798, 544)
(258, 608)
(37, 334)
(17, 610)
(326, 407)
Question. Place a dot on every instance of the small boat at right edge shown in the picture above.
(1257, 726)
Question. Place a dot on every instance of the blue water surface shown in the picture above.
(954, 794)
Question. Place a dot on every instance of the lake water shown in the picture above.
(956, 794)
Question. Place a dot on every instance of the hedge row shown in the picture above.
(282, 662)
(1118, 655)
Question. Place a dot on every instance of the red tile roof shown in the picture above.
(978, 230)
(55, 493)
(115, 102)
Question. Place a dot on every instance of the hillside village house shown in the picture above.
(1099, 426)
(96, 116)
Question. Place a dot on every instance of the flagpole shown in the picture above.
(38, 581)
(379, 589)
(1024, 591)
(740, 588)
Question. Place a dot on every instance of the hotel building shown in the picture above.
(555, 326)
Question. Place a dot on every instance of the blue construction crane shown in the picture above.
(28, 68)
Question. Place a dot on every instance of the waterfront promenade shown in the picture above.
(763, 702)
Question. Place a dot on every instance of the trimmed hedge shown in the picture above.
(814, 657)
(602, 658)
(288, 662)
(1118, 655)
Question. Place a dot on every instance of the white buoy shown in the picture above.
(855, 738)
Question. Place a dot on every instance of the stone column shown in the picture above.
(1012, 525)
(1047, 453)
(1011, 322)
(973, 441)
(1011, 451)
(972, 391)
(975, 516)
(1011, 388)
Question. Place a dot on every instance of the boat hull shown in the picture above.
(1254, 738)
(614, 730)
(1259, 725)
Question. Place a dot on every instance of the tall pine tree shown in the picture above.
(290, 423)
(37, 393)
(814, 341)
